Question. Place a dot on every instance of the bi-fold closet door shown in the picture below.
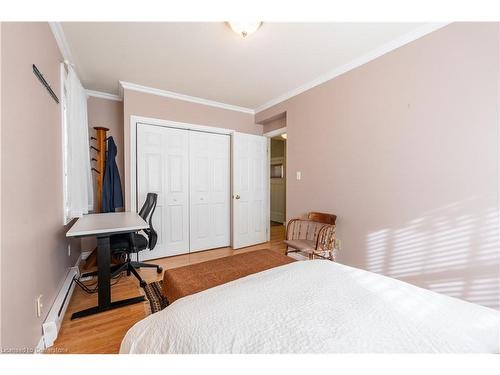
(190, 172)
(209, 185)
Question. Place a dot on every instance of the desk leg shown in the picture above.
(103, 272)
(104, 283)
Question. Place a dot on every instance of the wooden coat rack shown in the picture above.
(100, 164)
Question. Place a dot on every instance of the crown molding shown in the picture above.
(382, 50)
(187, 98)
(104, 95)
(61, 41)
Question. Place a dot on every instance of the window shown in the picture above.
(78, 195)
(64, 135)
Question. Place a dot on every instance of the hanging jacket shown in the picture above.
(112, 197)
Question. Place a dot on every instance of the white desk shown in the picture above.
(102, 226)
(109, 223)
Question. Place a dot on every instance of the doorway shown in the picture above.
(278, 177)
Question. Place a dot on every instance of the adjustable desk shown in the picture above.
(102, 226)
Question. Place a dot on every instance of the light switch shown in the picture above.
(299, 175)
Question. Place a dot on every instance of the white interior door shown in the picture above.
(209, 190)
(250, 189)
(163, 168)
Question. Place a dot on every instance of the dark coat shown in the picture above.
(112, 197)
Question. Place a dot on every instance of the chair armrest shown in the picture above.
(326, 238)
(289, 228)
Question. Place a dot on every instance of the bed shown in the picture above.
(316, 306)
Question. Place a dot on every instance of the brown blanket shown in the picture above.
(183, 281)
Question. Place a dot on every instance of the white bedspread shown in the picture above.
(316, 307)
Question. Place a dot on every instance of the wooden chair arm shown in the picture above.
(326, 238)
(288, 227)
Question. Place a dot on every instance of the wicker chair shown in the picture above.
(314, 236)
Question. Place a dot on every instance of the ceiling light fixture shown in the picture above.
(244, 28)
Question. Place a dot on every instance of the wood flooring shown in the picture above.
(103, 333)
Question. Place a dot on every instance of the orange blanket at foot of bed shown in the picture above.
(183, 281)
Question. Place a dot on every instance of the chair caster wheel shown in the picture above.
(159, 270)
(143, 284)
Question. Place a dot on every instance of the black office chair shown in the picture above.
(130, 243)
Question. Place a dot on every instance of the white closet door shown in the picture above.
(209, 190)
(250, 189)
(162, 168)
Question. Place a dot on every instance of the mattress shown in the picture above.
(316, 306)
(183, 281)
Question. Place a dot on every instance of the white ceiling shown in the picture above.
(209, 61)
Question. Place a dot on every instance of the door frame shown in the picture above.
(134, 120)
(270, 135)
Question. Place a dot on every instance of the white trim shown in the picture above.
(104, 95)
(62, 74)
(134, 120)
(40, 347)
(187, 98)
(61, 41)
(382, 50)
(274, 133)
(268, 195)
(85, 254)
(53, 321)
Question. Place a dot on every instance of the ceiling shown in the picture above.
(208, 60)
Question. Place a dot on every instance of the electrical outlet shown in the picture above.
(39, 306)
(338, 244)
(69, 249)
(299, 175)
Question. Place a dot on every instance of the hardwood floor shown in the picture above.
(103, 333)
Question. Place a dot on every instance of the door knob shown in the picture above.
(236, 196)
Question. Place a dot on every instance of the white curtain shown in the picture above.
(80, 189)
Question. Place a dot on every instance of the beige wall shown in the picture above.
(275, 123)
(108, 114)
(154, 106)
(34, 248)
(405, 151)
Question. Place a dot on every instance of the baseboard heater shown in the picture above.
(52, 324)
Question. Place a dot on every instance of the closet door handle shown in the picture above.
(237, 196)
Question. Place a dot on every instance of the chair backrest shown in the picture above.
(146, 212)
(322, 217)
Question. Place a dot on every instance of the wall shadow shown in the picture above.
(447, 250)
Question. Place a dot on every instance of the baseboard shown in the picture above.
(85, 254)
(40, 348)
(52, 324)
